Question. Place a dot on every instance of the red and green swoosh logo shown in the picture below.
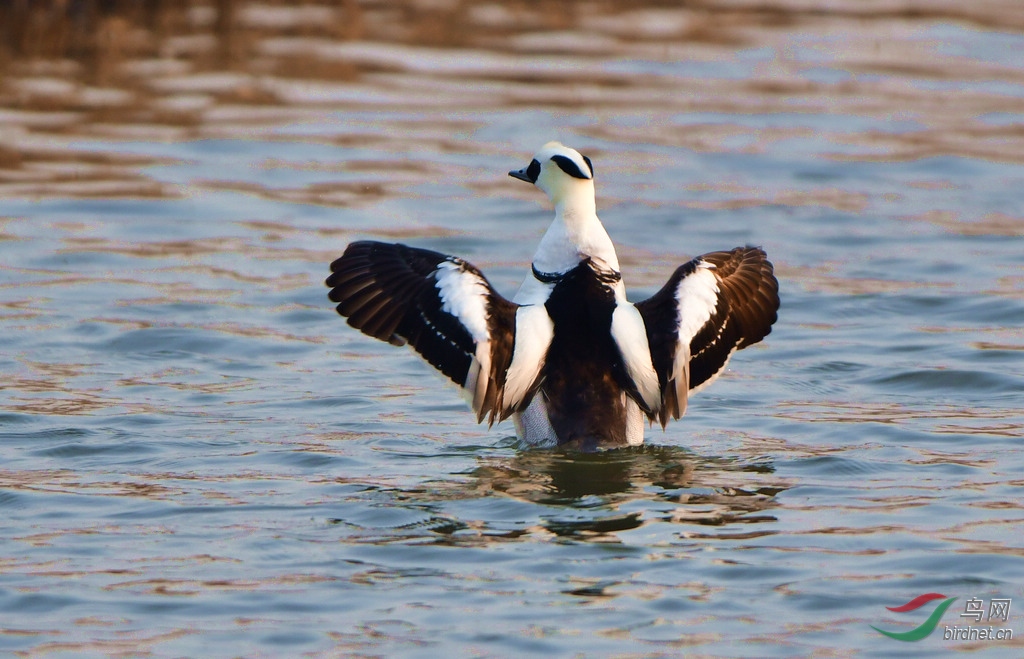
(928, 626)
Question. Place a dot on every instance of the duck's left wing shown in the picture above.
(709, 308)
(447, 311)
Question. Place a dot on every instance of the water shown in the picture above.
(199, 458)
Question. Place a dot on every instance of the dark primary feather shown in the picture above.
(747, 281)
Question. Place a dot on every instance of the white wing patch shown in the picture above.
(464, 295)
(697, 299)
(630, 335)
(534, 332)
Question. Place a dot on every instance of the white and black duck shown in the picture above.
(568, 358)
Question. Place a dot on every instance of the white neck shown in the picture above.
(578, 201)
(575, 234)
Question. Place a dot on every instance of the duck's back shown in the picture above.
(583, 391)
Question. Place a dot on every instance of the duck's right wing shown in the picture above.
(449, 313)
(711, 307)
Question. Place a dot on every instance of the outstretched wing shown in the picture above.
(448, 312)
(712, 306)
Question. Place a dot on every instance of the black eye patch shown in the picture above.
(569, 166)
(533, 171)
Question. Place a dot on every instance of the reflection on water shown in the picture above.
(200, 459)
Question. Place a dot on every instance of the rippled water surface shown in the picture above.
(199, 458)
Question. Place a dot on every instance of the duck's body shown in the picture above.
(570, 359)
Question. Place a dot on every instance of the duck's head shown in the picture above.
(561, 172)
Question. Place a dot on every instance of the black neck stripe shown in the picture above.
(545, 277)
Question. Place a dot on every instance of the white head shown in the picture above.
(564, 174)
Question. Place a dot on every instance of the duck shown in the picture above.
(569, 358)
